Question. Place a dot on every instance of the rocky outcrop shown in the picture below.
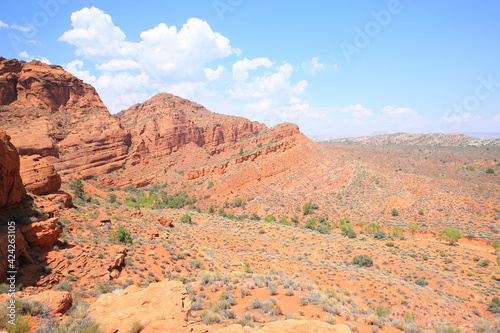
(21, 250)
(58, 301)
(166, 304)
(49, 112)
(39, 176)
(11, 185)
(290, 325)
(166, 123)
(42, 234)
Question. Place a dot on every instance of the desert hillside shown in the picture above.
(168, 217)
(410, 139)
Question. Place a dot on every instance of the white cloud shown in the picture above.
(29, 57)
(179, 61)
(241, 67)
(166, 54)
(275, 84)
(214, 74)
(96, 37)
(313, 66)
(20, 28)
(398, 111)
(3, 25)
(497, 117)
(119, 65)
(459, 118)
(359, 113)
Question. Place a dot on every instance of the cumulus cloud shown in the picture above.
(241, 67)
(168, 53)
(119, 65)
(275, 83)
(398, 111)
(179, 61)
(96, 37)
(214, 74)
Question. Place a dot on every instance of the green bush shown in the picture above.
(122, 235)
(237, 202)
(490, 170)
(306, 209)
(255, 217)
(394, 212)
(362, 260)
(494, 306)
(186, 218)
(270, 218)
(451, 235)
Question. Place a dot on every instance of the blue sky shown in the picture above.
(333, 67)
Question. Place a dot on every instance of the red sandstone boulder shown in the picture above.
(39, 176)
(11, 185)
(42, 234)
(59, 301)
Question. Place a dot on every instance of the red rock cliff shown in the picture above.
(49, 112)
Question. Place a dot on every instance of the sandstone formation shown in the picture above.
(167, 303)
(59, 301)
(165, 123)
(11, 185)
(42, 234)
(21, 251)
(39, 176)
(49, 112)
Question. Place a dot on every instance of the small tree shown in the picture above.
(78, 190)
(496, 246)
(413, 229)
(394, 212)
(490, 170)
(112, 198)
(451, 235)
(241, 151)
(306, 209)
(186, 218)
(122, 235)
(237, 202)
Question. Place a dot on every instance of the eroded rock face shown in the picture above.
(59, 301)
(43, 234)
(21, 250)
(11, 185)
(165, 123)
(166, 303)
(39, 176)
(49, 112)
